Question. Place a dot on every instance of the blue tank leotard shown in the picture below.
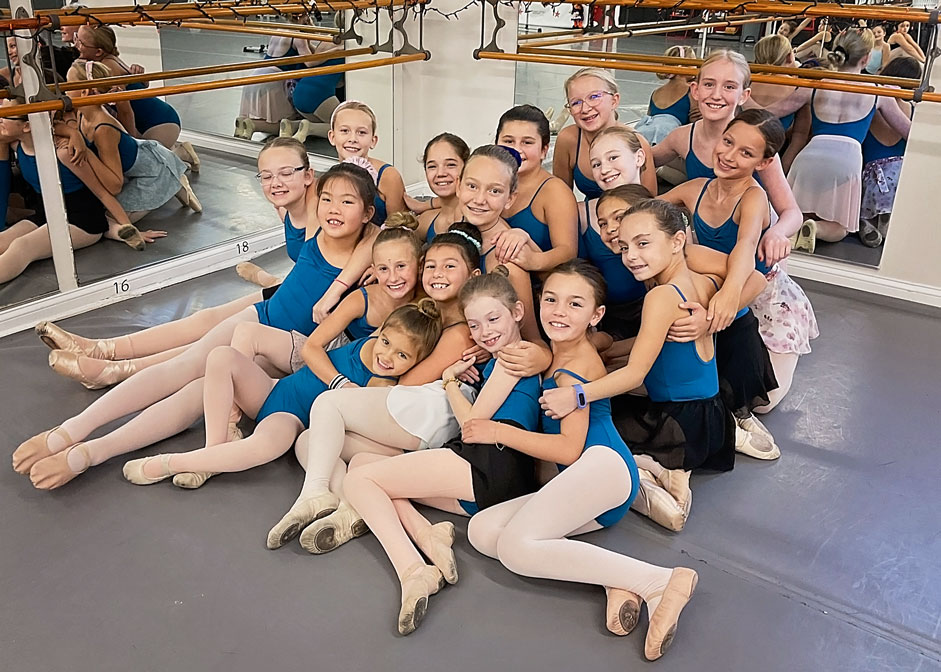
(430, 235)
(588, 187)
(521, 406)
(694, 167)
(622, 286)
(150, 112)
(292, 51)
(875, 61)
(680, 374)
(293, 238)
(291, 306)
(678, 110)
(850, 129)
(360, 327)
(30, 173)
(296, 393)
(873, 150)
(601, 432)
(6, 181)
(483, 260)
(379, 217)
(787, 120)
(311, 92)
(723, 237)
(526, 220)
(127, 146)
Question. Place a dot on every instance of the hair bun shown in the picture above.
(428, 308)
(512, 152)
(501, 269)
(401, 220)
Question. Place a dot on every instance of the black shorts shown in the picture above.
(268, 292)
(82, 209)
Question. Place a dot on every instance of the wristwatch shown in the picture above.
(580, 399)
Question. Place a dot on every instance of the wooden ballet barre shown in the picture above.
(833, 9)
(806, 73)
(903, 94)
(304, 28)
(555, 33)
(718, 23)
(248, 30)
(123, 80)
(98, 17)
(138, 94)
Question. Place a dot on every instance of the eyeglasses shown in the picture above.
(593, 99)
(283, 174)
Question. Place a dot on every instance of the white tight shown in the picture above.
(528, 534)
(784, 365)
(152, 384)
(24, 242)
(380, 489)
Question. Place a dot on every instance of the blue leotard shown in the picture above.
(296, 393)
(723, 237)
(360, 327)
(622, 286)
(293, 238)
(850, 129)
(483, 260)
(787, 120)
(6, 181)
(680, 374)
(520, 406)
(30, 172)
(601, 432)
(379, 217)
(694, 167)
(292, 51)
(526, 220)
(873, 150)
(430, 235)
(588, 187)
(678, 110)
(311, 92)
(127, 146)
(150, 112)
(291, 306)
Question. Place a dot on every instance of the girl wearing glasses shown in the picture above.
(344, 207)
(592, 98)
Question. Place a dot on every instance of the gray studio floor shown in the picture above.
(825, 560)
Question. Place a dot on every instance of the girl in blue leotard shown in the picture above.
(592, 97)
(543, 215)
(344, 208)
(674, 102)
(461, 477)
(444, 159)
(143, 175)
(282, 407)
(597, 480)
(353, 134)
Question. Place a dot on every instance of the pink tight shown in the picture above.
(528, 534)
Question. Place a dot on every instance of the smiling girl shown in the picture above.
(462, 477)
(444, 159)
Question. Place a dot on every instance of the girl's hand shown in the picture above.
(136, 69)
(773, 247)
(559, 402)
(368, 277)
(417, 206)
(722, 310)
(349, 384)
(151, 236)
(522, 360)
(477, 354)
(456, 369)
(509, 244)
(478, 430)
(690, 328)
(322, 308)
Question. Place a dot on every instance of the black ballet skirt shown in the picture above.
(698, 434)
(622, 320)
(745, 372)
(499, 473)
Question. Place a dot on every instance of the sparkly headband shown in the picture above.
(469, 237)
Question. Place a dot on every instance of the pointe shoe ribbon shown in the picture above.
(59, 339)
(419, 582)
(676, 595)
(113, 372)
(35, 449)
(134, 470)
(436, 543)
